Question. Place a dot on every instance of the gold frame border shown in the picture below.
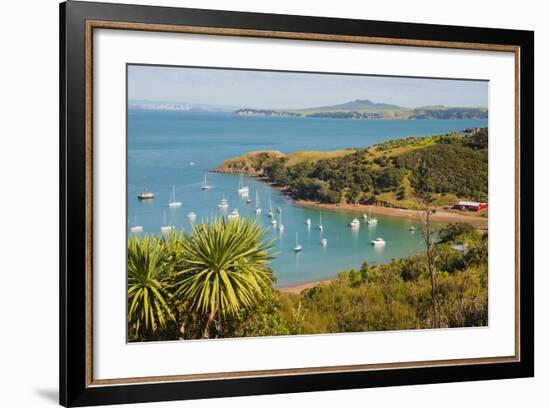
(118, 25)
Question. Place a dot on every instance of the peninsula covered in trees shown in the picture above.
(400, 173)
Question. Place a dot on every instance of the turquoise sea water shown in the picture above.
(162, 145)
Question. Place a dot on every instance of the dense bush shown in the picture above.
(429, 165)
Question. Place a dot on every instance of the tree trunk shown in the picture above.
(431, 268)
(206, 331)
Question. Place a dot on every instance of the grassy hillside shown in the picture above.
(400, 173)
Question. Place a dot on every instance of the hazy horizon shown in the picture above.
(295, 90)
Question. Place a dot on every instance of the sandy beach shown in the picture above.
(303, 286)
(440, 215)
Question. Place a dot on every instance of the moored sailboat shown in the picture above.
(165, 227)
(243, 190)
(205, 185)
(223, 204)
(270, 213)
(258, 208)
(135, 227)
(234, 214)
(173, 203)
(355, 223)
(298, 247)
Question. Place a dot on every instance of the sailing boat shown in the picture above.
(372, 220)
(298, 247)
(355, 223)
(234, 215)
(258, 208)
(320, 221)
(173, 203)
(281, 226)
(166, 228)
(223, 203)
(136, 228)
(270, 213)
(243, 190)
(273, 220)
(205, 185)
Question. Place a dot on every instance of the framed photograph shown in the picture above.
(257, 204)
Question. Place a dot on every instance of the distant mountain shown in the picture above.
(359, 104)
(178, 106)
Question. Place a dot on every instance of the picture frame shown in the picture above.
(79, 21)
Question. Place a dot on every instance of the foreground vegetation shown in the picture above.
(215, 282)
(403, 173)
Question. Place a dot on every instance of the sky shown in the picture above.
(293, 90)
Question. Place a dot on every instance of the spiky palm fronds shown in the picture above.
(225, 266)
(148, 284)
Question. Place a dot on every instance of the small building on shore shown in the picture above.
(470, 206)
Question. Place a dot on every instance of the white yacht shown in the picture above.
(365, 217)
(270, 213)
(281, 226)
(146, 195)
(308, 223)
(165, 227)
(243, 190)
(192, 216)
(234, 214)
(223, 204)
(173, 203)
(324, 242)
(135, 227)
(378, 242)
(205, 185)
(355, 223)
(258, 208)
(320, 226)
(298, 247)
(372, 220)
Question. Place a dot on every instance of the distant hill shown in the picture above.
(359, 104)
(367, 109)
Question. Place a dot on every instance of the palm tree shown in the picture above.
(225, 269)
(148, 285)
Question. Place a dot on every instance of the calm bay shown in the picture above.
(177, 148)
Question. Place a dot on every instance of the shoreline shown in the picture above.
(440, 215)
(300, 287)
